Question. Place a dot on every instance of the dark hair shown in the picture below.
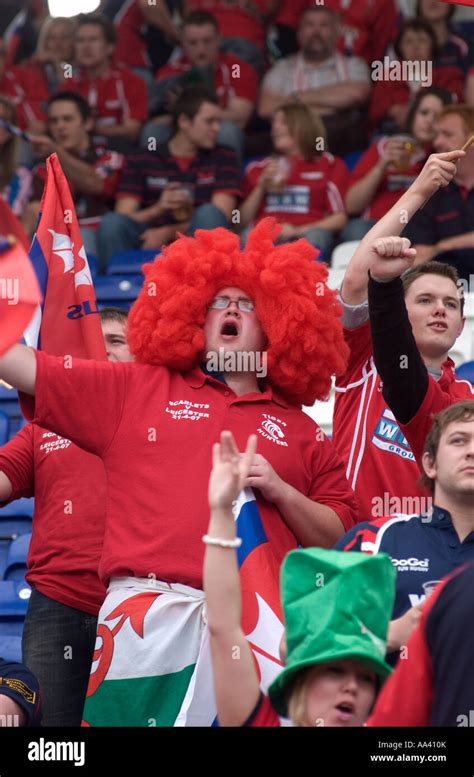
(435, 91)
(189, 102)
(451, 9)
(108, 29)
(200, 18)
(434, 268)
(460, 411)
(113, 314)
(73, 97)
(419, 26)
(318, 9)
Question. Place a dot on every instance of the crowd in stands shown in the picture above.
(343, 121)
(372, 78)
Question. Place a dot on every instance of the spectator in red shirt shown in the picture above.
(63, 558)
(186, 184)
(15, 178)
(42, 76)
(234, 81)
(131, 19)
(303, 187)
(416, 49)
(93, 174)
(242, 24)
(12, 86)
(391, 164)
(117, 96)
(333, 669)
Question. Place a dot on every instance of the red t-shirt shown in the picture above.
(232, 77)
(12, 85)
(367, 26)
(440, 394)
(263, 716)
(69, 487)
(393, 183)
(367, 436)
(312, 191)
(130, 27)
(154, 429)
(236, 18)
(114, 97)
(387, 93)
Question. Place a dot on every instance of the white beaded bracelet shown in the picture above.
(222, 543)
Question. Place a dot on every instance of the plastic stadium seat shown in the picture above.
(466, 371)
(118, 290)
(9, 401)
(15, 566)
(10, 647)
(20, 508)
(343, 253)
(14, 596)
(130, 262)
(352, 158)
(322, 412)
(93, 265)
(4, 428)
(335, 278)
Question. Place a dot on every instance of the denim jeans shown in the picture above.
(355, 229)
(246, 50)
(207, 216)
(58, 643)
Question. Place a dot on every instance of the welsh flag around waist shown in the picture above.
(152, 664)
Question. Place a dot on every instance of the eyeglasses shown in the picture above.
(222, 303)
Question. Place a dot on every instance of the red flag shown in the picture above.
(9, 225)
(460, 2)
(68, 323)
(19, 294)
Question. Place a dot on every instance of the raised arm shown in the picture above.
(18, 368)
(438, 171)
(236, 683)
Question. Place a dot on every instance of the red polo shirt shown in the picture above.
(367, 436)
(12, 86)
(312, 191)
(130, 27)
(115, 96)
(69, 487)
(232, 77)
(154, 429)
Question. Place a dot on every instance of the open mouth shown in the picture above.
(439, 327)
(229, 329)
(345, 710)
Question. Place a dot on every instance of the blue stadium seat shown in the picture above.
(93, 265)
(14, 596)
(352, 159)
(20, 508)
(466, 371)
(4, 428)
(15, 565)
(10, 647)
(9, 401)
(130, 262)
(118, 290)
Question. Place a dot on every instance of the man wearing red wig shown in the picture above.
(154, 422)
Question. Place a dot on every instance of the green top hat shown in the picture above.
(336, 605)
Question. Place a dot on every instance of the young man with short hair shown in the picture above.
(368, 433)
(92, 174)
(426, 547)
(187, 183)
(117, 97)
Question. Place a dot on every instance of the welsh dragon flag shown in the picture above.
(152, 665)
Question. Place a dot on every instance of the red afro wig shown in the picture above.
(297, 311)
